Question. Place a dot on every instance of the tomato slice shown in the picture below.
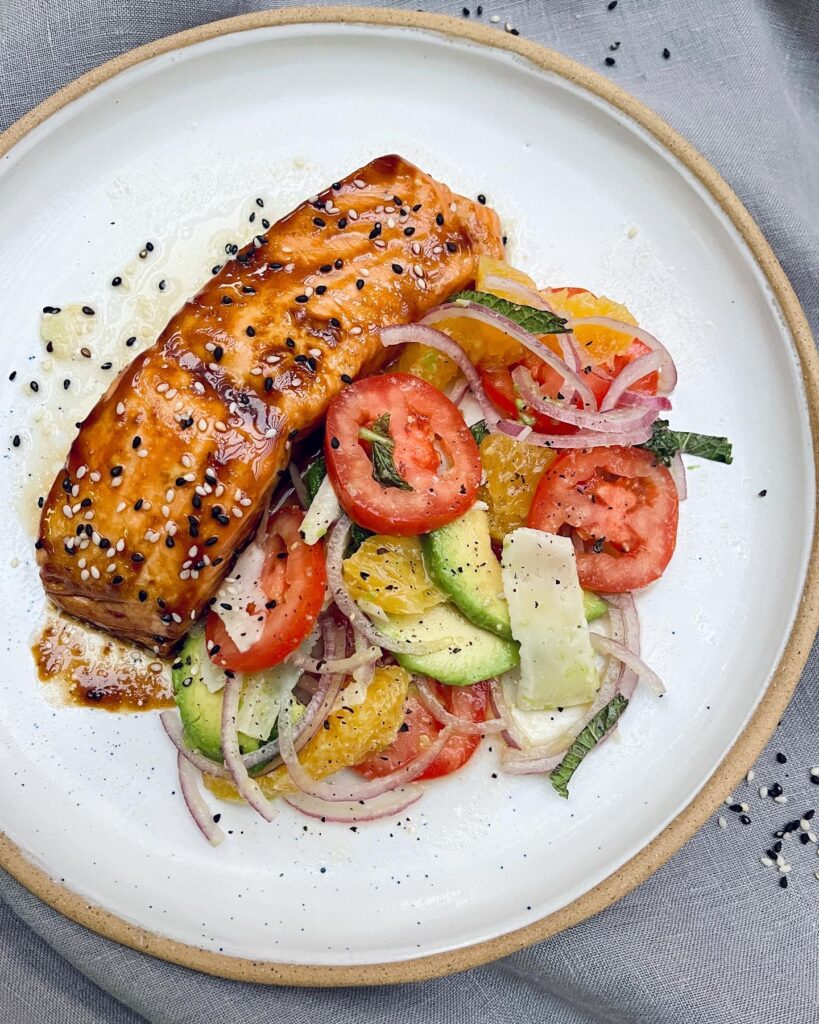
(420, 729)
(623, 508)
(501, 391)
(433, 452)
(293, 580)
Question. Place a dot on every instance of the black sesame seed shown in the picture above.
(162, 285)
(116, 281)
(137, 557)
(301, 298)
(34, 385)
(137, 441)
(116, 471)
(250, 332)
(745, 819)
(338, 264)
(138, 504)
(439, 220)
(226, 300)
(735, 807)
(321, 289)
(143, 595)
(12, 375)
(780, 757)
(609, 62)
(265, 223)
(215, 269)
(211, 541)
(252, 217)
(116, 580)
(482, 199)
(666, 53)
(51, 309)
(451, 247)
(196, 501)
(611, 5)
(66, 384)
(106, 366)
(105, 543)
(294, 433)
(290, 343)
(783, 882)
(360, 283)
(397, 268)
(259, 202)
(40, 501)
(326, 268)
(346, 378)
(804, 839)
(218, 352)
(319, 222)
(149, 246)
(88, 310)
(335, 322)
(775, 789)
(808, 815)
(376, 231)
(342, 222)
(181, 481)
(409, 231)
(268, 383)
(16, 440)
(247, 290)
(334, 442)
(169, 542)
(763, 492)
(275, 266)
(131, 341)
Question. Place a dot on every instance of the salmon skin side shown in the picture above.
(172, 469)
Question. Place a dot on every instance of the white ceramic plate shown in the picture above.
(175, 150)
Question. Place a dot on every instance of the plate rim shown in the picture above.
(779, 691)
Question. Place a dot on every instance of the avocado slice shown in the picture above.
(460, 560)
(471, 654)
(594, 607)
(200, 708)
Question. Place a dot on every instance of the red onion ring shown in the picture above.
(516, 762)
(246, 786)
(172, 725)
(200, 812)
(659, 402)
(582, 439)
(488, 317)
(610, 420)
(525, 296)
(345, 666)
(605, 645)
(335, 792)
(677, 471)
(668, 373)
(444, 717)
(404, 334)
(298, 486)
(336, 545)
(352, 813)
(641, 367)
(458, 391)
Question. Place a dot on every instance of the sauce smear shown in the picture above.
(91, 669)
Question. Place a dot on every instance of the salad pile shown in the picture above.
(458, 562)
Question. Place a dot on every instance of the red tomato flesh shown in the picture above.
(621, 504)
(433, 452)
(294, 579)
(420, 729)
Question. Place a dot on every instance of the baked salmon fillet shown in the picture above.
(173, 468)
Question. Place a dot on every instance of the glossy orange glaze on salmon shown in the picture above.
(172, 469)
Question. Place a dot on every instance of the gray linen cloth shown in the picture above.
(711, 937)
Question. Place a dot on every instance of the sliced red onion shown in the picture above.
(516, 762)
(582, 439)
(247, 787)
(404, 334)
(440, 714)
(523, 294)
(336, 791)
(659, 402)
(336, 546)
(510, 732)
(668, 373)
(613, 420)
(677, 471)
(385, 806)
(641, 367)
(605, 645)
(173, 727)
(488, 317)
(298, 486)
(345, 666)
(189, 777)
(458, 391)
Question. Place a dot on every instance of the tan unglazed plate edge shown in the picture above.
(761, 726)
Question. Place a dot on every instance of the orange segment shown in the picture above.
(491, 274)
(512, 471)
(390, 572)
(601, 343)
(428, 364)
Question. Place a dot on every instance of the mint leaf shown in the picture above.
(665, 444)
(383, 452)
(313, 476)
(479, 431)
(358, 534)
(597, 728)
(536, 321)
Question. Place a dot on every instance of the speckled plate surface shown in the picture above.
(174, 149)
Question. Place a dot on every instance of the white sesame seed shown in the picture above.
(117, 481)
(220, 426)
(81, 472)
(151, 537)
(763, 791)
(418, 270)
(170, 494)
(355, 330)
(89, 515)
(453, 207)
(81, 563)
(120, 545)
(766, 861)
(308, 291)
(185, 574)
(287, 249)
(95, 476)
(785, 869)
(84, 543)
(162, 387)
(75, 490)
(67, 512)
(812, 836)
(815, 772)
(143, 453)
(416, 248)
(256, 371)
(176, 617)
(729, 801)
(780, 860)
(245, 501)
(390, 222)
(75, 508)
(190, 477)
(203, 425)
(359, 183)
(192, 550)
(744, 807)
(289, 267)
(508, 26)
(171, 528)
(95, 537)
(750, 776)
(170, 394)
(194, 574)
(84, 575)
(111, 567)
(781, 799)
(722, 822)
(364, 272)
(495, 19)
(314, 352)
(95, 572)
(389, 209)
(120, 408)
(155, 666)
(237, 512)
(121, 507)
(147, 505)
(379, 243)
(352, 215)
(421, 283)
(199, 387)
(437, 250)
(187, 459)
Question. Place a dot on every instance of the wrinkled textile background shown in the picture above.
(711, 938)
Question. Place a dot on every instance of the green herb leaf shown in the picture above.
(665, 443)
(536, 321)
(383, 453)
(313, 476)
(358, 534)
(479, 431)
(597, 728)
